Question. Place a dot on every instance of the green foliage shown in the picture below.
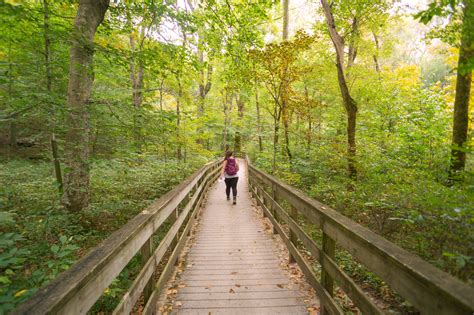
(141, 150)
(39, 240)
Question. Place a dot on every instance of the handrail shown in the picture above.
(76, 290)
(429, 289)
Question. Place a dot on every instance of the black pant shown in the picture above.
(231, 183)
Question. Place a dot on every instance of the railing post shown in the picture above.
(293, 237)
(329, 248)
(146, 252)
(260, 194)
(273, 210)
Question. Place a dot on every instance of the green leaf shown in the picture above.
(55, 248)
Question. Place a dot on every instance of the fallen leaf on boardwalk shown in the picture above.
(234, 273)
(238, 285)
(179, 304)
(182, 285)
(207, 287)
(231, 291)
(171, 291)
(280, 286)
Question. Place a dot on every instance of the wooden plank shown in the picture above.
(242, 288)
(282, 310)
(267, 301)
(233, 277)
(191, 272)
(236, 266)
(237, 295)
(428, 288)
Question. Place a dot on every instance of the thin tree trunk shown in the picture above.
(349, 103)
(377, 48)
(90, 15)
(136, 78)
(276, 129)
(308, 137)
(204, 84)
(285, 87)
(49, 85)
(13, 133)
(352, 43)
(179, 154)
(238, 135)
(463, 91)
(286, 4)
(57, 165)
(47, 46)
(228, 106)
(259, 123)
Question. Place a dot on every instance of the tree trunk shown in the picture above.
(310, 123)
(13, 135)
(47, 46)
(463, 90)
(136, 78)
(49, 85)
(76, 181)
(238, 135)
(286, 4)
(285, 87)
(228, 105)
(349, 103)
(276, 130)
(351, 110)
(352, 54)
(179, 154)
(204, 84)
(259, 123)
(377, 48)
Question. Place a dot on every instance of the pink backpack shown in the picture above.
(231, 167)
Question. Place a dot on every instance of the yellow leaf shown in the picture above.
(20, 293)
(15, 3)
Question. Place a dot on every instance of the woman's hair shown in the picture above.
(228, 154)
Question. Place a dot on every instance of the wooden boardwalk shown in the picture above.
(233, 265)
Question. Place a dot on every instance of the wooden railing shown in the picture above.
(76, 290)
(428, 289)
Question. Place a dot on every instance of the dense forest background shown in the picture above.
(358, 113)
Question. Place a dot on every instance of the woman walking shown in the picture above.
(230, 168)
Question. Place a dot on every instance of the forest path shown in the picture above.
(233, 264)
